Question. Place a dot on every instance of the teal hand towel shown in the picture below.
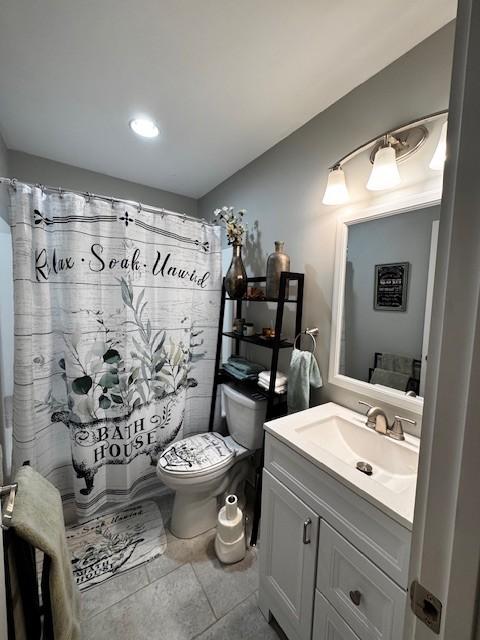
(303, 374)
(245, 366)
(239, 374)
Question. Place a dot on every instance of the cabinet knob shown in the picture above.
(306, 531)
(355, 597)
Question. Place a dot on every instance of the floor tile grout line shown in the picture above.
(211, 605)
(143, 566)
(121, 599)
(224, 615)
(136, 591)
(205, 593)
(179, 566)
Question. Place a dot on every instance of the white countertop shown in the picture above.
(334, 438)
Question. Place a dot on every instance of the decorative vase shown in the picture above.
(236, 278)
(276, 263)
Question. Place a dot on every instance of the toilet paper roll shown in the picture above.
(231, 506)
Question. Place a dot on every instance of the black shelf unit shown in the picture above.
(276, 404)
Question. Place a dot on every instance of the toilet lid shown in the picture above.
(196, 454)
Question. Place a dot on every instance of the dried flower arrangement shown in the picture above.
(234, 224)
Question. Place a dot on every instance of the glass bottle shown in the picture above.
(236, 278)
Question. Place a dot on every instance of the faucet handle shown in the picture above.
(405, 420)
(366, 404)
(396, 430)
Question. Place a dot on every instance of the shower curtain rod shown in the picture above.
(12, 182)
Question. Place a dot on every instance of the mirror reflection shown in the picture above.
(389, 270)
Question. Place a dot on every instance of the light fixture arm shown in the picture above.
(386, 135)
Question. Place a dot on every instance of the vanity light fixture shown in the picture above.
(438, 160)
(336, 191)
(387, 151)
(144, 127)
(384, 173)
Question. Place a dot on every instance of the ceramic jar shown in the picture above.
(276, 263)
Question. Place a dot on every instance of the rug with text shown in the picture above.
(112, 543)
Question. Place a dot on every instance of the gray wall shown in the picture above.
(282, 189)
(399, 238)
(56, 174)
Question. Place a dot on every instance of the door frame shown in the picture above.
(428, 303)
(446, 541)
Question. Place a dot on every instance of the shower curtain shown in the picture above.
(116, 316)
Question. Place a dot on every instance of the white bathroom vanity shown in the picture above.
(335, 542)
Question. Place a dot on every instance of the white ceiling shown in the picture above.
(224, 79)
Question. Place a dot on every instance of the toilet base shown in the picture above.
(195, 506)
(193, 514)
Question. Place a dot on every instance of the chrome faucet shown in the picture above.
(377, 419)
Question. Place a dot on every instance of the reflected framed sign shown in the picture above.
(391, 286)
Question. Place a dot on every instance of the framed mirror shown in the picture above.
(384, 277)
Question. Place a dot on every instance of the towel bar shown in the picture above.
(308, 332)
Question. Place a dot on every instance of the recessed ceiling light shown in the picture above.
(144, 127)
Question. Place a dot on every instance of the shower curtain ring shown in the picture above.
(139, 207)
(13, 184)
(184, 217)
(88, 197)
(162, 213)
(204, 222)
(113, 202)
(60, 192)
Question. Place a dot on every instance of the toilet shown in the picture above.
(202, 467)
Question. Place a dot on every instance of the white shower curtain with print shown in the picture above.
(116, 316)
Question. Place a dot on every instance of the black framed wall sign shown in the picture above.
(391, 286)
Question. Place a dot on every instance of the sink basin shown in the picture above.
(392, 466)
(336, 439)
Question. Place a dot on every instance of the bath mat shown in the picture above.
(110, 544)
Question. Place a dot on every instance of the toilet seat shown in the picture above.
(196, 456)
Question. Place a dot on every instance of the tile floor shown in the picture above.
(184, 594)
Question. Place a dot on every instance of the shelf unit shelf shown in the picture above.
(286, 301)
(269, 344)
(276, 404)
(223, 377)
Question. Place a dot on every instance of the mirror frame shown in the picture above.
(400, 203)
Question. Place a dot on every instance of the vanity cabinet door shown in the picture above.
(327, 624)
(372, 604)
(288, 552)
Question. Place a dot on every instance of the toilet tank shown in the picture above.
(245, 416)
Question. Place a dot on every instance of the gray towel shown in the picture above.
(38, 519)
(392, 379)
(400, 364)
(303, 374)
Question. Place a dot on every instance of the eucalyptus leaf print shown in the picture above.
(116, 341)
(82, 385)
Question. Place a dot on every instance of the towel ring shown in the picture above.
(308, 332)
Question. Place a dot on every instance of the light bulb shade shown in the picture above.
(438, 159)
(384, 173)
(336, 191)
